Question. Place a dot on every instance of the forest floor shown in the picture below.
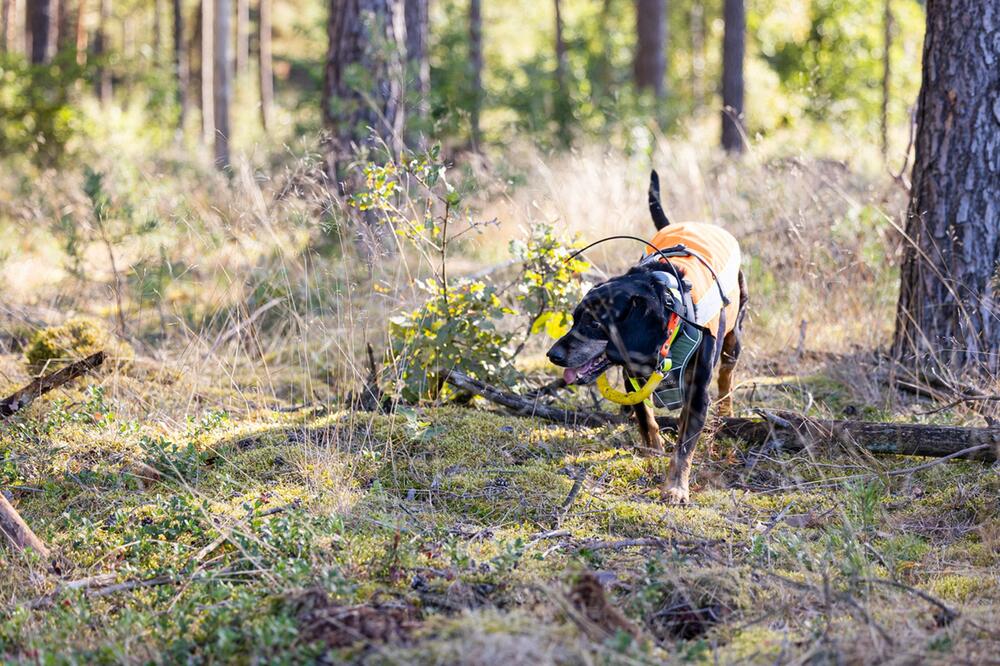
(209, 496)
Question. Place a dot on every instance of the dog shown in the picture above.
(689, 280)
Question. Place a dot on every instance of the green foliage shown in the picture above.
(457, 329)
(39, 115)
(550, 282)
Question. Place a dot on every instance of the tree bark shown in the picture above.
(222, 81)
(242, 37)
(16, 531)
(733, 51)
(790, 432)
(180, 65)
(886, 78)
(369, 37)
(43, 22)
(651, 43)
(6, 18)
(157, 30)
(697, 27)
(104, 89)
(207, 85)
(81, 33)
(419, 79)
(24, 397)
(265, 64)
(948, 314)
(475, 70)
(562, 109)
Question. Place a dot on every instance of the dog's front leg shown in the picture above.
(691, 423)
(649, 429)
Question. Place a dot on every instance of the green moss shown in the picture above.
(71, 341)
(963, 588)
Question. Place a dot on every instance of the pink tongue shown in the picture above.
(570, 375)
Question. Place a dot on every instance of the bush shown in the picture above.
(72, 341)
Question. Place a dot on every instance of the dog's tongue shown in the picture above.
(570, 375)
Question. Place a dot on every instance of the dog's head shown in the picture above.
(619, 322)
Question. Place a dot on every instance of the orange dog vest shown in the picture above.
(721, 251)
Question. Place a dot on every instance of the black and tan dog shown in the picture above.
(666, 313)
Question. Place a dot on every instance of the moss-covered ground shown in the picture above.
(444, 535)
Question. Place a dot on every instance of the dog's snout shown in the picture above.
(557, 354)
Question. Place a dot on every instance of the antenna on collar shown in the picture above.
(610, 238)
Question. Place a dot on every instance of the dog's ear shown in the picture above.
(655, 206)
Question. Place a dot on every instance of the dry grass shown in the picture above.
(261, 305)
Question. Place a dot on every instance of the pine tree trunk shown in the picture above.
(733, 50)
(43, 21)
(180, 65)
(242, 37)
(157, 30)
(81, 33)
(265, 65)
(562, 109)
(104, 90)
(207, 85)
(475, 70)
(651, 42)
(370, 36)
(697, 28)
(886, 78)
(419, 79)
(948, 315)
(6, 18)
(222, 81)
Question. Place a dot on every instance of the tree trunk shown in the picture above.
(180, 65)
(948, 315)
(733, 49)
(562, 109)
(242, 37)
(157, 31)
(104, 90)
(43, 22)
(367, 36)
(697, 27)
(223, 91)
(419, 79)
(6, 18)
(264, 64)
(475, 70)
(16, 532)
(886, 77)
(207, 87)
(650, 51)
(81, 33)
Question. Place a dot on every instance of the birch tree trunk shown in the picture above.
(948, 315)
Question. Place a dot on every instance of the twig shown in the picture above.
(21, 399)
(573, 492)
(948, 614)
(642, 542)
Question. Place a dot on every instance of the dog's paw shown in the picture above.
(676, 495)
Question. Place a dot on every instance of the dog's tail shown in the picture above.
(655, 207)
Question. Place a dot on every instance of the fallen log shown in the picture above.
(16, 531)
(783, 430)
(24, 397)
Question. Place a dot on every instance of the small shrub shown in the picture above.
(72, 341)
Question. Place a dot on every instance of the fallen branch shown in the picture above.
(786, 430)
(18, 534)
(21, 399)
